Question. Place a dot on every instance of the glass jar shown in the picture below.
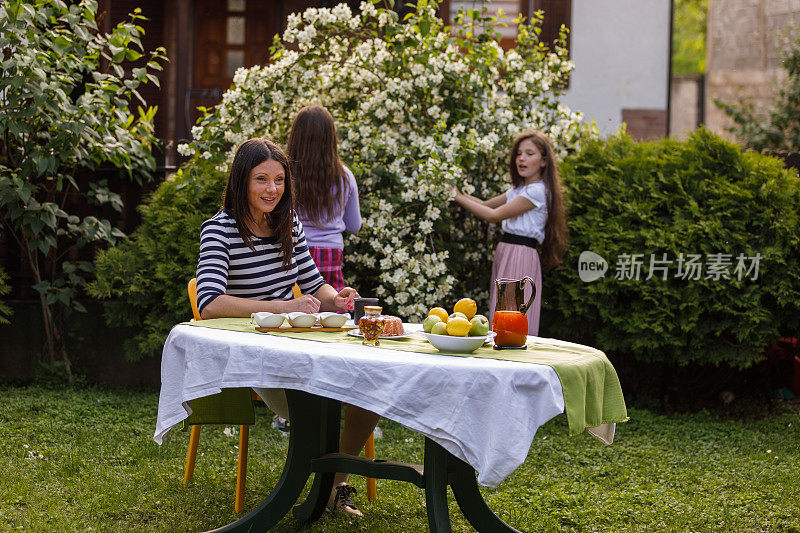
(371, 325)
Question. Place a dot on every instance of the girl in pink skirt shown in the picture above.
(532, 215)
(327, 195)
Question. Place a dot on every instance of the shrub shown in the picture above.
(146, 275)
(702, 196)
(417, 106)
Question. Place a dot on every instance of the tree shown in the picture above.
(66, 102)
(778, 126)
(689, 37)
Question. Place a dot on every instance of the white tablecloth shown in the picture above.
(484, 411)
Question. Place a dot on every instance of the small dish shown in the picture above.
(332, 320)
(268, 320)
(301, 320)
(446, 343)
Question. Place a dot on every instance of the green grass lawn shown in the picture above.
(84, 460)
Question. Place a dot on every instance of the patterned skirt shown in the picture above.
(329, 263)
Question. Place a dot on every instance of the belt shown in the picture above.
(511, 238)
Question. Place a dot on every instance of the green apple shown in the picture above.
(439, 328)
(428, 323)
(480, 326)
(457, 313)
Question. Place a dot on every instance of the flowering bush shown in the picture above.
(418, 105)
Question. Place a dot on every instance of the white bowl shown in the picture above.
(268, 320)
(446, 343)
(332, 320)
(301, 320)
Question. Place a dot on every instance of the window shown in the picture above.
(556, 13)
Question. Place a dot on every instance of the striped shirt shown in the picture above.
(227, 266)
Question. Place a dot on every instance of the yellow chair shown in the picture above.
(229, 406)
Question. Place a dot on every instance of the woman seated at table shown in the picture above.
(253, 251)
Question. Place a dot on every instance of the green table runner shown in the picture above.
(592, 393)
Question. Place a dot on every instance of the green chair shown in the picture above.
(231, 406)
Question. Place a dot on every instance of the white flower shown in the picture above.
(229, 431)
(368, 9)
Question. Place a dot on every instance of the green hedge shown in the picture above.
(146, 276)
(702, 196)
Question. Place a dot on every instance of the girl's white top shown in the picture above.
(530, 223)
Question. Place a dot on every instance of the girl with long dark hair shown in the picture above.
(326, 191)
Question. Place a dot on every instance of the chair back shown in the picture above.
(192, 288)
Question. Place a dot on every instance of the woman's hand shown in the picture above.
(304, 304)
(344, 300)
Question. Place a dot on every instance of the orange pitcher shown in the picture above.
(510, 322)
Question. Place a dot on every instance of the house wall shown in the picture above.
(743, 46)
(621, 53)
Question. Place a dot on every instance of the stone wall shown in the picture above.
(685, 110)
(743, 48)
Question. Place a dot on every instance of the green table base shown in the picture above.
(591, 389)
(313, 443)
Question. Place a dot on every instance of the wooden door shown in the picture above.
(229, 34)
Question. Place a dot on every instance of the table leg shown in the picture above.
(308, 416)
(469, 499)
(314, 505)
(436, 487)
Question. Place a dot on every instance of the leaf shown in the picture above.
(42, 287)
(424, 28)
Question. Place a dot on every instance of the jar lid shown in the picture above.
(372, 308)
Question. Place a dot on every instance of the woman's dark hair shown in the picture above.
(314, 157)
(234, 200)
(556, 234)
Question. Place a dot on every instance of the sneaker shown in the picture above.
(343, 501)
(281, 424)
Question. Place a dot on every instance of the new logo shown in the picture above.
(591, 266)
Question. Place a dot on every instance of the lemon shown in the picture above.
(467, 306)
(440, 312)
(458, 327)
